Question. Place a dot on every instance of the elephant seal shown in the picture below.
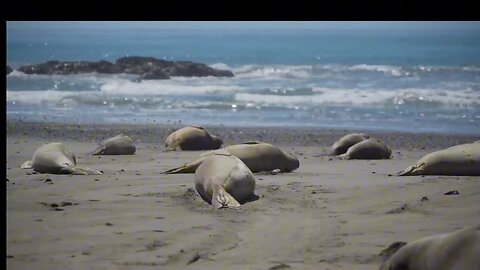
(258, 156)
(224, 181)
(55, 158)
(368, 149)
(451, 251)
(118, 145)
(459, 160)
(341, 146)
(192, 138)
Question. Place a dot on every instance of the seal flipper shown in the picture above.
(27, 165)
(81, 171)
(99, 150)
(222, 199)
(186, 168)
(412, 170)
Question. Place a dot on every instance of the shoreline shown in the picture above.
(296, 136)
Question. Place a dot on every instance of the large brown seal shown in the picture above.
(192, 138)
(341, 146)
(118, 145)
(258, 156)
(459, 250)
(55, 158)
(463, 159)
(368, 149)
(224, 181)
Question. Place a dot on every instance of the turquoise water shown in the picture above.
(408, 80)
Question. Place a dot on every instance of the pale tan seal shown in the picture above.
(224, 181)
(192, 138)
(463, 159)
(341, 146)
(118, 145)
(258, 156)
(458, 250)
(55, 158)
(368, 149)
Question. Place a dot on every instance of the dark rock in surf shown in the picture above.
(9, 70)
(149, 68)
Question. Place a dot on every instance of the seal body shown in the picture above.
(223, 180)
(368, 149)
(450, 251)
(257, 156)
(341, 146)
(118, 145)
(55, 158)
(192, 138)
(463, 159)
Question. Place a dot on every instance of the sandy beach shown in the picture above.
(327, 214)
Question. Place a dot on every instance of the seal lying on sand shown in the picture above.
(118, 145)
(341, 146)
(368, 149)
(224, 181)
(463, 159)
(192, 138)
(258, 157)
(55, 158)
(456, 250)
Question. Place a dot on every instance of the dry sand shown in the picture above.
(328, 214)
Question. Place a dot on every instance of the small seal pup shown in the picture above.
(55, 158)
(462, 159)
(118, 145)
(192, 138)
(341, 146)
(368, 149)
(224, 181)
(451, 251)
(258, 156)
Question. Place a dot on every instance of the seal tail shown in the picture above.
(343, 156)
(222, 199)
(26, 165)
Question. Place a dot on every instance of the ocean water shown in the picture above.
(403, 80)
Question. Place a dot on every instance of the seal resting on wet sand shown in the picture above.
(258, 156)
(368, 149)
(341, 146)
(55, 158)
(459, 160)
(224, 181)
(192, 138)
(451, 251)
(118, 145)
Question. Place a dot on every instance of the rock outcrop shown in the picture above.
(147, 67)
(9, 70)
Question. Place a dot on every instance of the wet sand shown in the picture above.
(328, 214)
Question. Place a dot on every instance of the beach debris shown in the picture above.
(424, 199)
(452, 192)
(194, 259)
(279, 266)
(108, 224)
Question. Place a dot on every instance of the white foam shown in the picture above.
(392, 70)
(361, 97)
